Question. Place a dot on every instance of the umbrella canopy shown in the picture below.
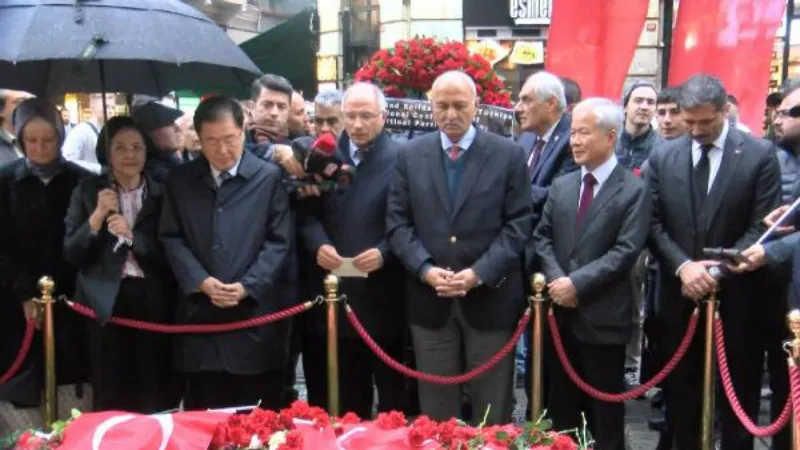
(135, 46)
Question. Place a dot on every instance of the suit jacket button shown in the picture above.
(453, 239)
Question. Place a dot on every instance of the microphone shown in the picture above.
(322, 161)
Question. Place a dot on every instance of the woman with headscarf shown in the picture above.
(111, 236)
(34, 196)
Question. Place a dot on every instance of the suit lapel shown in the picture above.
(571, 198)
(149, 206)
(679, 165)
(473, 165)
(607, 191)
(552, 148)
(434, 157)
(731, 155)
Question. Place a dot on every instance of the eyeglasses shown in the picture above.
(793, 112)
(331, 121)
(230, 140)
(364, 116)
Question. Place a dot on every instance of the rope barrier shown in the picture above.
(730, 392)
(634, 393)
(794, 386)
(30, 328)
(431, 378)
(195, 328)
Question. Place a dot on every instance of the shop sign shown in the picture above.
(530, 12)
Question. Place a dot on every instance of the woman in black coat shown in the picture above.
(111, 237)
(34, 195)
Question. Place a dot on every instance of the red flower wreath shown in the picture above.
(409, 68)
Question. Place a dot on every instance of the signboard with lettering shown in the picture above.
(530, 12)
(410, 117)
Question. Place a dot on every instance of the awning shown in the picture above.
(288, 49)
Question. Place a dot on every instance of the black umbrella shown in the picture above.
(134, 46)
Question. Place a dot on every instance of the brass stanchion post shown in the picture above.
(709, 367)
(794, 359)
(332, 298)
(537, 302)
(47, 286)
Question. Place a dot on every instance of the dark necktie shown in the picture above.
(360, 155)
(700, 176)
(536, 152)
(223, 177)
(586, 197)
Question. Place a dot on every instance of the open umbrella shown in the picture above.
(134, 46)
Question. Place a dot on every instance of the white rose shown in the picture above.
(276, 440)
(255, 443)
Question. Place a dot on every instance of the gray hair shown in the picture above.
(608, 113)
(328, 99)
(702, 90)
(457, 75)
(364, 86)
(546, 86)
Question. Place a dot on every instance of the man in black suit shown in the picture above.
(227, 232)
(352, 223)
(711, 188)
(458, 218)
(592, 230)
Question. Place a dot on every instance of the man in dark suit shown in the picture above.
(592, 230)
(227, 233)
(545, 124)
(711, 188)
(352, 223)
(458, 218)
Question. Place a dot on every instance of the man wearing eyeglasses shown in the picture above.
(351, 223)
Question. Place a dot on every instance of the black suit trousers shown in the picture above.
(602, 366)
(360, 373)
(132, 369)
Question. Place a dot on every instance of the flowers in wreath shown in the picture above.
(38, 440)
(409, 68)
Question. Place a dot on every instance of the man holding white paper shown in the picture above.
(345, 233)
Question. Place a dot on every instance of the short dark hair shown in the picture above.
(732, 99)
(668, 94)
(216, 108)
(111, 129)
(702, 90)
(273, 83)
(572, 91)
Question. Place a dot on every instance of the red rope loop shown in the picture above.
(634, 393)
(794, 384)
(30, 328)
(431, 378)
(195, 328)
(730, 392)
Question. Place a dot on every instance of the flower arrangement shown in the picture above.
(289, 429)
(409, 68)
(37, 440)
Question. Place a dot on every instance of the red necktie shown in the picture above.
(536, 152)
(586, 196)
(454, 152)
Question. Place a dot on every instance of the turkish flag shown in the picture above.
(120, 430)
(593, 42)
(730, 39)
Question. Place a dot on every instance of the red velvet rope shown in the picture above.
(628, 395)
(794, 384)
(195, 328)
(30, 328)
(730, 392)
(438, 379)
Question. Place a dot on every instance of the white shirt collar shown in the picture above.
(232, 171)
(464, 143)
(549, 134)
(602, 172)
(719, 142)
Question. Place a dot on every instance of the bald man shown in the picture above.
(459, 214)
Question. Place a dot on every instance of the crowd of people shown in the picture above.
(170, 219)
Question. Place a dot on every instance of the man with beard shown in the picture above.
(328, 113)
(298, 119)
(668, 114)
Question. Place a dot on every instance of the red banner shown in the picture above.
(593, 42)
(733, 40)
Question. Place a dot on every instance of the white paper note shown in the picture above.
(348, 270)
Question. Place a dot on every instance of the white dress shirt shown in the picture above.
(714, 155)
(600, 174)
(232, 171)
(130, 203)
